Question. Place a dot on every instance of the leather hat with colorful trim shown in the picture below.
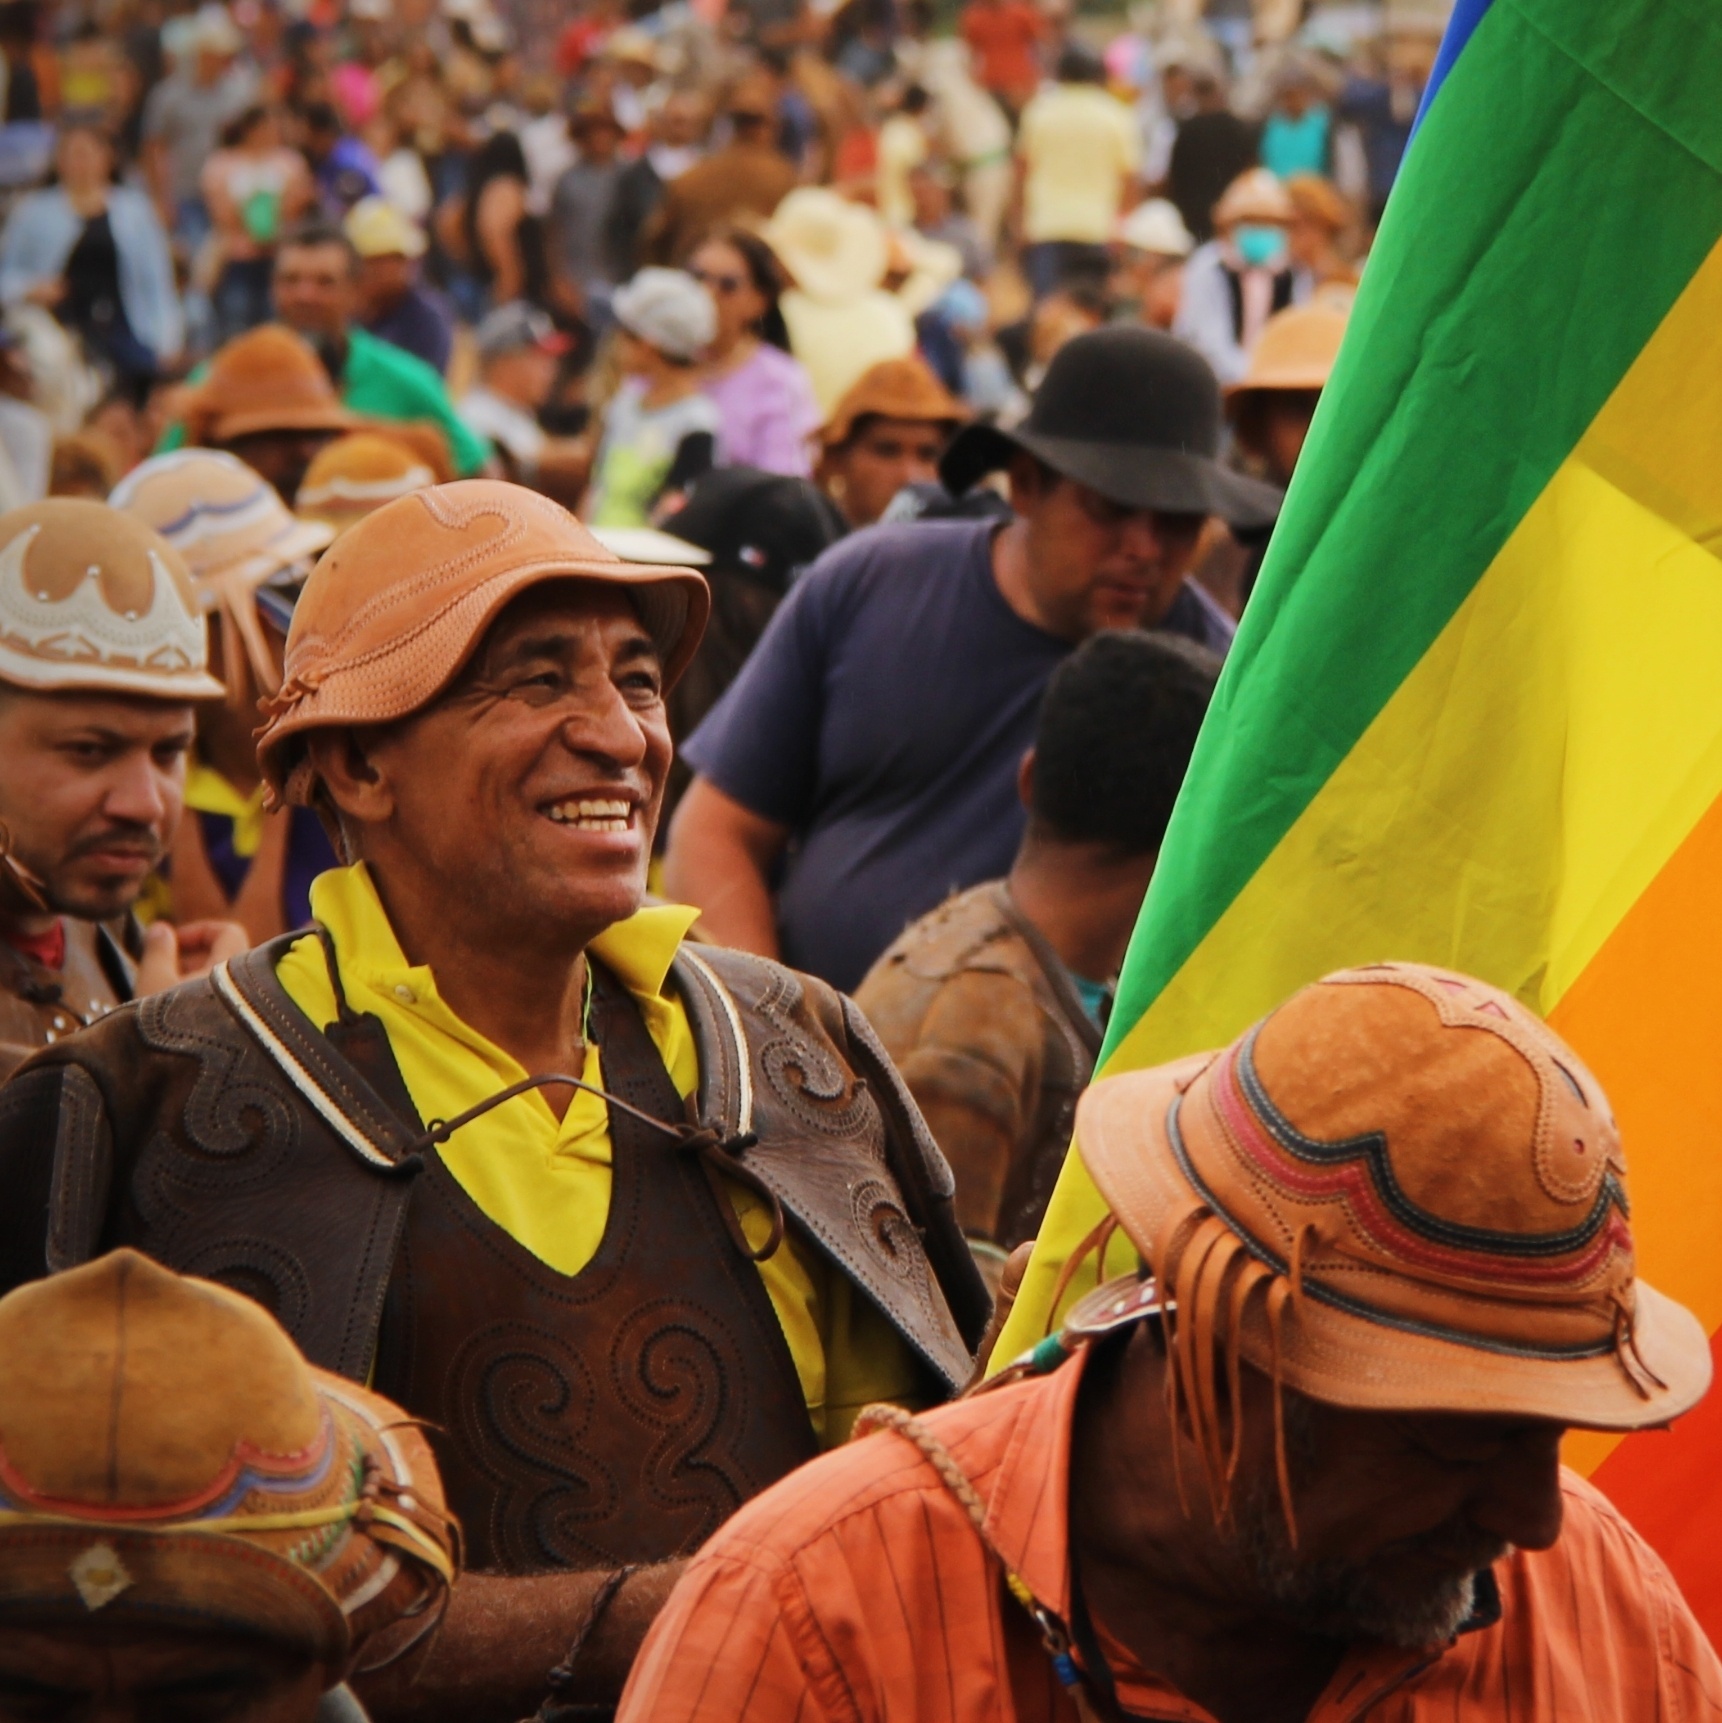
(168, 1459)
(1398, 1191)
(92, 599)
(399, 603)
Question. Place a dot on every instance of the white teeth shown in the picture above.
(594, 816)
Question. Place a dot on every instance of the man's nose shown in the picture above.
(139, 792)
(1140, 538)
(600, 721)
(1519, 1498)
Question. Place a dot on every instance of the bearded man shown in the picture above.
(1305, 1466)
(638, 1228)
(103, 657)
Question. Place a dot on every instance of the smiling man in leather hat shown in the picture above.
(628, 1306)
(1305, 1466)
(879, 724)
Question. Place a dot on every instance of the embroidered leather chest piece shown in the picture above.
(617, 1415)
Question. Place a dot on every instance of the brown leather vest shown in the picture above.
(218, 1129)
(621, 1414)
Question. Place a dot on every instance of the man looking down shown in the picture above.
(1305, 1465)
(626, 1323)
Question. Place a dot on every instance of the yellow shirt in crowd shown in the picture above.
(1078, 146)
(545, 1181)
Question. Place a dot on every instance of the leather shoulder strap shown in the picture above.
(839, 1143)
(348, 1104)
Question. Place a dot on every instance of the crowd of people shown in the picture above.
(602, 611)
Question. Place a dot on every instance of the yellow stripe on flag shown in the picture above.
(1521, 790)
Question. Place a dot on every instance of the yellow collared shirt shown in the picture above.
(546, 1181)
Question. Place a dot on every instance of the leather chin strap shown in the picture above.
(25, 881)
(721, 1156)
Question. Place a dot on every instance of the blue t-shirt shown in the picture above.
(882, 718)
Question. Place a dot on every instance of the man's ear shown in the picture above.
(350, 774)
(1027, 481)
(1025, 781)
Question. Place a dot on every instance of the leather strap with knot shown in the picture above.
(719, 1155)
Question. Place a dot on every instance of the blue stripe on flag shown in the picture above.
(1467, 15)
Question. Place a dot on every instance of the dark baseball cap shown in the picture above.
(762, 526)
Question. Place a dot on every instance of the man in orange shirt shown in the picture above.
(1305, 1466)
(1005, 36)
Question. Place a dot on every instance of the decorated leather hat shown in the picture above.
(356, 475)
(397, 605)
(93, 599)
(234, 532)
(268, 379)
(1134, 415)
(1399, 1191)
(169, 1460)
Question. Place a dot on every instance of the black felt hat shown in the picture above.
(1132, 414)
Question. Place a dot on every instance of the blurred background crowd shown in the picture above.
(599, 249)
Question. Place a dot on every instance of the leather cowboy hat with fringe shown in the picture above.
(1400, 1191)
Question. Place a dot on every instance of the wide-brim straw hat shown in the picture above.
(1254, 196)
(399, 603)
(1400, 1191)
(834, 250)
(1296, 350)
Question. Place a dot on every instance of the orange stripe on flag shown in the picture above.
(1665, 1482)
(1646, 1014)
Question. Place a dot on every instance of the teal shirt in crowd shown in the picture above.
(381, 381)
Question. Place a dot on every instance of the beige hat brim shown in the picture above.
(41, 676)
(1380, 1362)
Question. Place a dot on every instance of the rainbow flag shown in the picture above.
(1474, 713)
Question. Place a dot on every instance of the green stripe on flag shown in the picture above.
(1565, 186)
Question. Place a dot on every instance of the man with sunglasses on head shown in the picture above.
(874, 736)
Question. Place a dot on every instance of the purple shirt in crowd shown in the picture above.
(766, 414)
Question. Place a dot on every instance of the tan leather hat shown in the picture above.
(91, 598)
(356, 475)
(167, 1458)
(399, 602)
(893, 389)
(268, 379)
(1296, 350)
(1399, 1191)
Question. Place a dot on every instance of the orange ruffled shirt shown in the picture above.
(857, 1589)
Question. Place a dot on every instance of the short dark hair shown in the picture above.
(313, 235)
(1116, 730)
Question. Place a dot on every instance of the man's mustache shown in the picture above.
(1457, 1545)
(129, 835)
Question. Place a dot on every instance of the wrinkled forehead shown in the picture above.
(561, 611)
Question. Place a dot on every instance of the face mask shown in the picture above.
(1260, 247)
